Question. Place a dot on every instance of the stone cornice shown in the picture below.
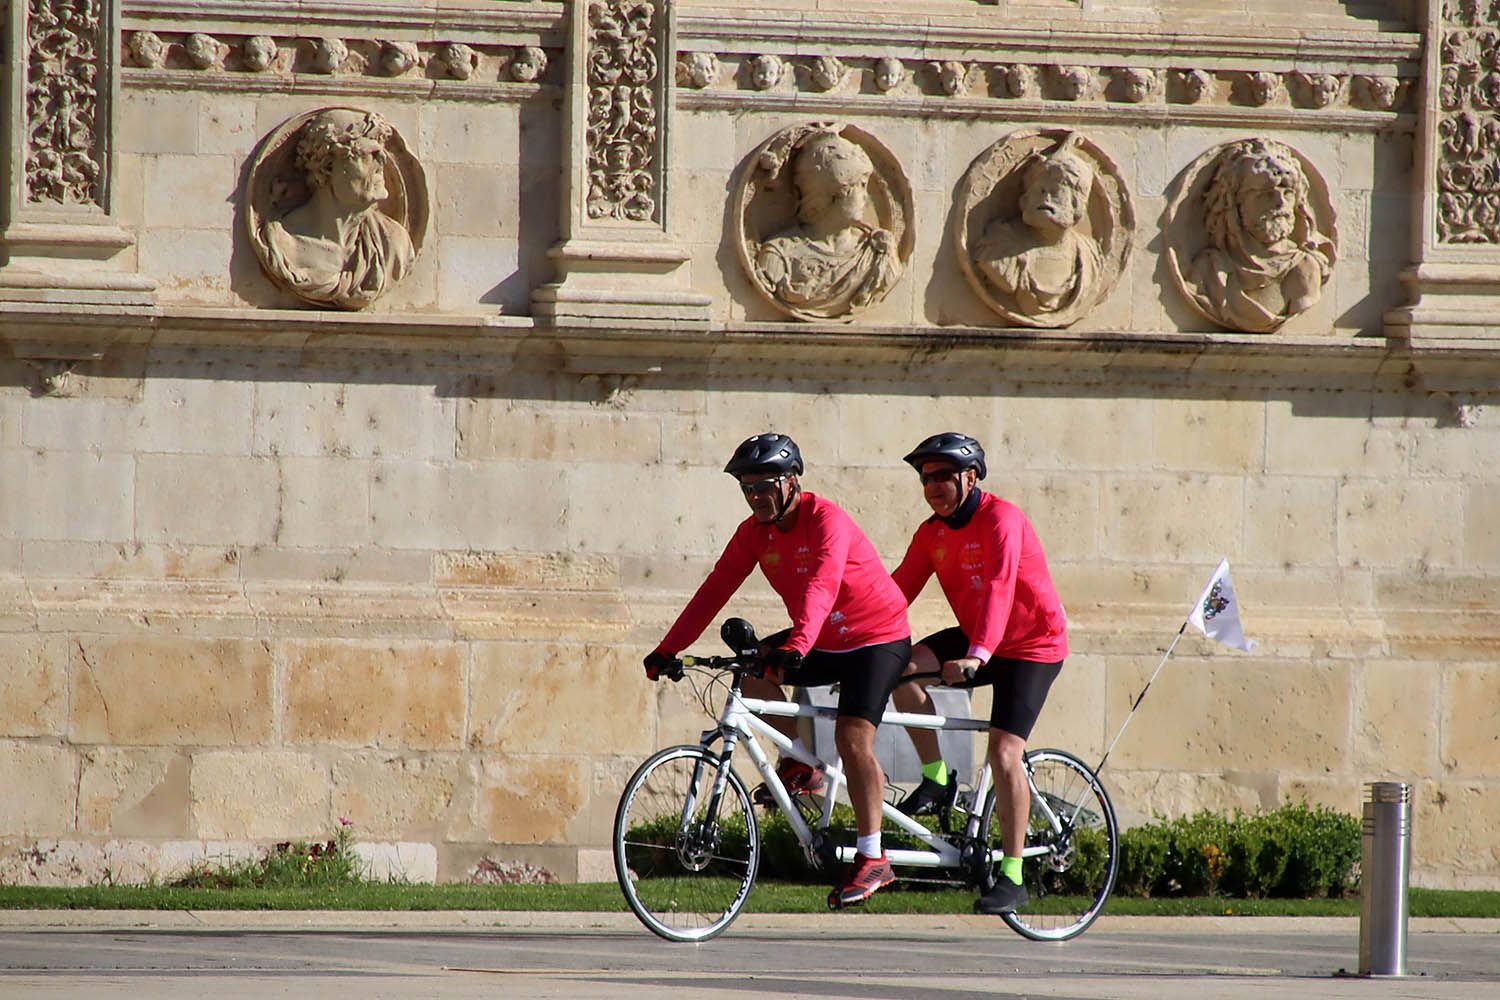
(620, 356)
(1048, 41)
(420, 18)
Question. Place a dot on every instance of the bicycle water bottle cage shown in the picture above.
(739, 635)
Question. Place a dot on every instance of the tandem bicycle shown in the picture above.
(686, 837)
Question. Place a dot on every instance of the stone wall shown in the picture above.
(273, 555)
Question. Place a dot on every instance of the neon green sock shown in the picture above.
(937, 771)
(1011, 869)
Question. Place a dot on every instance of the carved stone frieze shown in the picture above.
(335, 207)
(1075, 83)
(823, 221)
(1250, 235)
(624, 170)
(1260, 88)
(64, 163)
(460, 60)
(1043, 227)
(329, 55)
(1468, 127)
(1192, 84)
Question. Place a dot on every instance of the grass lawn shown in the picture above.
(767, 897)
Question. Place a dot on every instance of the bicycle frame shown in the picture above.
(740, 719)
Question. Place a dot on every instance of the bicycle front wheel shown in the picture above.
(686, 844)
(1073, 869)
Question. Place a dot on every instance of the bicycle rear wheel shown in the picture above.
(1069, 883)
(686, 844)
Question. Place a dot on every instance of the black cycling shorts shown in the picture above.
(1021, 686)
(866, 676)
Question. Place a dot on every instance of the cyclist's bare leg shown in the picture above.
(855, 739)
(1012, 796)
(911, 696)
(759, 687)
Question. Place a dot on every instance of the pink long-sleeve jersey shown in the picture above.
(995, 577)
(835, 589)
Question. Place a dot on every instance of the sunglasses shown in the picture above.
(762, 486)
(942, 475)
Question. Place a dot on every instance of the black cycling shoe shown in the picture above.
(1006, 897)
(929, 797)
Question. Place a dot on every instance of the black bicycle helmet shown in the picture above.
(949, 446)
(769, 452)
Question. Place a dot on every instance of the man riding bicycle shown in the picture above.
(848, 627)
(1012, 633)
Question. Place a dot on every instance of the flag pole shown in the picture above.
(1139, 698)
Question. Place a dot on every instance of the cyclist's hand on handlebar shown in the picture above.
(778, 661)
(658, 664)
(961, 669)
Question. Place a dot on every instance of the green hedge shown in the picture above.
(1294, 852)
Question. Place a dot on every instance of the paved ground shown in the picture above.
(459, 956)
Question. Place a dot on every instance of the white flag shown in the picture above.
(1217, 613)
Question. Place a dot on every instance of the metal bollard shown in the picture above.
(1385, 867)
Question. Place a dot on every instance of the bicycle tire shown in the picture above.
(685, 861)
(1068, 886)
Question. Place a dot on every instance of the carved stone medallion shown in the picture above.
(335, 207)
(1044, 226)
(1250, 234)
(823, 221)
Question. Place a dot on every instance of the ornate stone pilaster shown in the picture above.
(58, 227)
(616, 261)
(1455, 279)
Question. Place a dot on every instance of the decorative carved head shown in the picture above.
(329, 55)
(1320, 89)
(827, 72)
(529, 64)
(1261, 87)
(202, 51)
(831, 174)
(765, 71)
(1137, 85)
(1076, 83)
(698, 70)
(1020, 80)
(1378, 93)
(398, 57)
(1194, 84)
(461, 60)
(953, 76)
(1055, 188)
(343, 151)
(889, 72)
(259, 53)
(146, 49)
(1259, 190)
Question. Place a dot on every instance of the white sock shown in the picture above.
(868, 845)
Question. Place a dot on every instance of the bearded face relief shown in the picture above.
(343, 240)
(1046, 227)
(1266, 246)
(823, 225)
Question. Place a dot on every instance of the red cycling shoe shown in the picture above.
(865, 877)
